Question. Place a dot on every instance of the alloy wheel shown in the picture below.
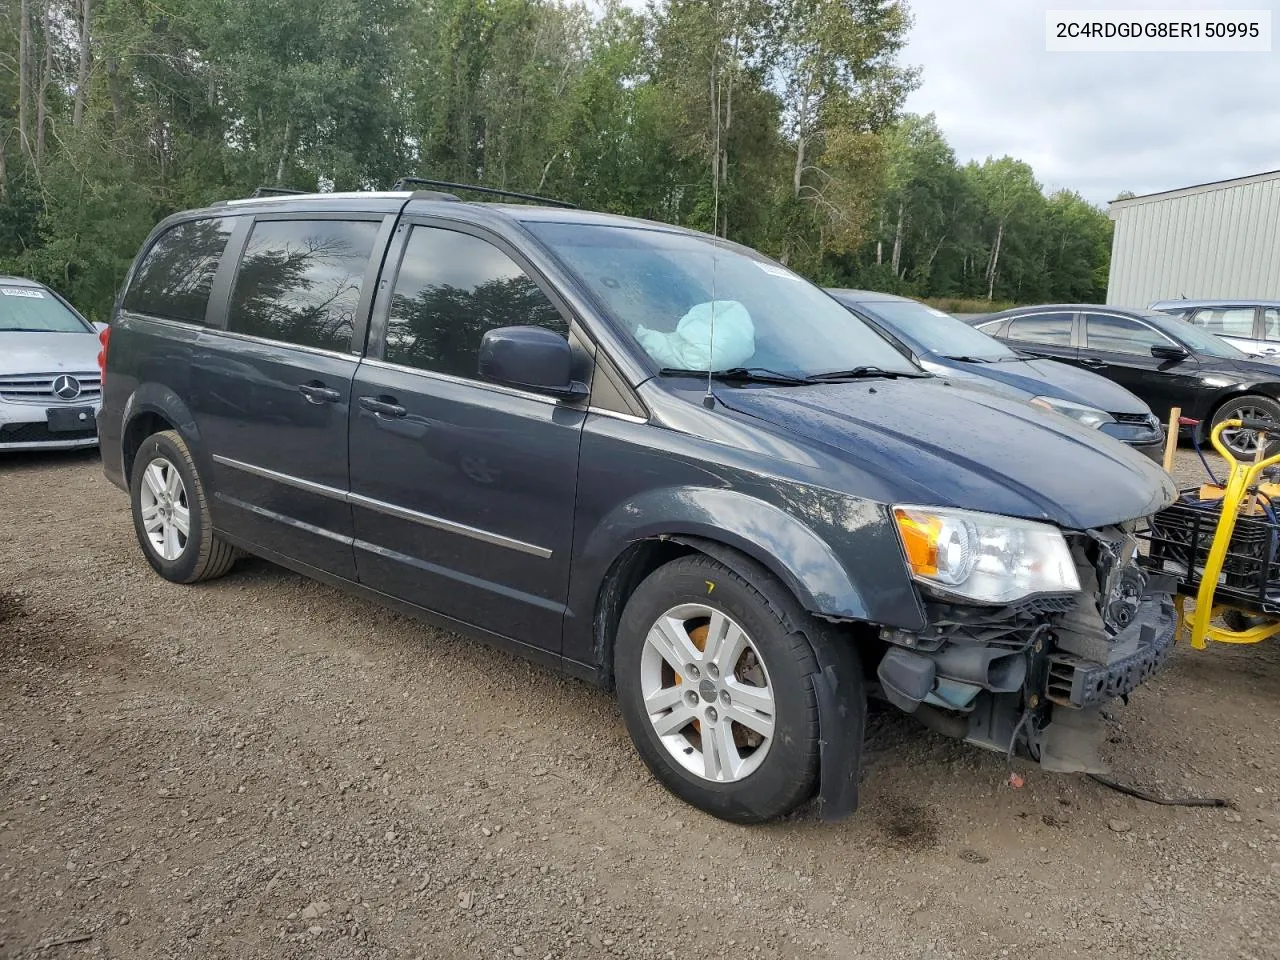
(166, 516)
(1243, 443)
(707, 693)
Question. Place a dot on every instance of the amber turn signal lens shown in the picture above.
(920, 534)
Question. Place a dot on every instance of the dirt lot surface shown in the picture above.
(264, 767)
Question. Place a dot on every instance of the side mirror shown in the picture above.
(532, 358)
(99, 326)
(1163, 351)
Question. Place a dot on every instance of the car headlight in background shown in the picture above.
(984, 557)
(1087, 416)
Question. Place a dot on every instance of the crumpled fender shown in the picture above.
(792, 551)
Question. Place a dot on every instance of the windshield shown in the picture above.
(937, 332)
(1201, 341)
(660, 288)
(32, 310)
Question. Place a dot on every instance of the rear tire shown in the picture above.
(171, 513)
(749, 748)
(1243, 443)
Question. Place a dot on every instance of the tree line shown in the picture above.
(776, 123)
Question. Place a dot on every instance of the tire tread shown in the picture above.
(215, 557)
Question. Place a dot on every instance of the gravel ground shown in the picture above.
(264, 767)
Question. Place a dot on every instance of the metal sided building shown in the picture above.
(1213, 240)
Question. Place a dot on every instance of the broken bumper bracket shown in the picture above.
(1076, 682)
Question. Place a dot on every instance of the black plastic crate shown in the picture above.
(1179, 539)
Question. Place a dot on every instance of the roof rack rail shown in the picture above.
(491, 191)
(277, 192)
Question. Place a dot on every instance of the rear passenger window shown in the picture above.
(451, 289)
(1271, 323)
(299, 281)
(1050, 328)
(174, 278)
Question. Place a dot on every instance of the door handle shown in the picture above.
(1095, 364)
(317, 392)
(383, 406)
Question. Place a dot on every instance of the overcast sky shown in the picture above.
(1097, 123)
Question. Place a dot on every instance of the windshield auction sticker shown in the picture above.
(22, 292)
(1158, 31)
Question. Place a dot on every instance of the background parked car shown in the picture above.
(1251, 325)
(50, 386)
(944, 345)
(1165, 361)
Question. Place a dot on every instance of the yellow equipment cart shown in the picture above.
(1221, 542)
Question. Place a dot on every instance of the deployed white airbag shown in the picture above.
(689, 346)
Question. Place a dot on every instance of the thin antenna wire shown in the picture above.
(709, 400)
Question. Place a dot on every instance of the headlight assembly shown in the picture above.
(1087, 416)
(984, 557)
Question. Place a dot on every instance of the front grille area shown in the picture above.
(39, 388)
(1141, 419)
(40, 433)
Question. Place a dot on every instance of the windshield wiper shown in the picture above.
(862, 373)
(739, 375)
(964, 359)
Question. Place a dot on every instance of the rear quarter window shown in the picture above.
(174, 278)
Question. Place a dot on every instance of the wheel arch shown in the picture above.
(1268, 390)
(151, 409)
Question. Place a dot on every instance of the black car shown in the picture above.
(1165, 361)
(948, 347)
(510, 420)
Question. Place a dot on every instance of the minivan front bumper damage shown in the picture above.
(1034, 674)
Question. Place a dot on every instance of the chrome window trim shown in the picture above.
(390, 509)
(464, 381)
(164, 321)
(629, 418)
(253, 338)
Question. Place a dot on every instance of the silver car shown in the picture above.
(50, 384)
(1251, 325)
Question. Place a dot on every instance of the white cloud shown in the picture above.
(1097, 123)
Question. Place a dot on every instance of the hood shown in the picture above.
(22, 352)
(1049, 378)
(940, 443)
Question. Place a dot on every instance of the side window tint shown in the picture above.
(174, 279)
(299, 281)
(1050, 328)
(1122, 335)
(1271, 323)
(1225, 321)
(451, 289)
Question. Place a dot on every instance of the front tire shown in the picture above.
(1242, 443)
(717, 691)
(171, 513)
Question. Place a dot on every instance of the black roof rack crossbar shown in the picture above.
(276, 192)
(491, 191)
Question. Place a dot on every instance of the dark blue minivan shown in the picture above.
(643, 455)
